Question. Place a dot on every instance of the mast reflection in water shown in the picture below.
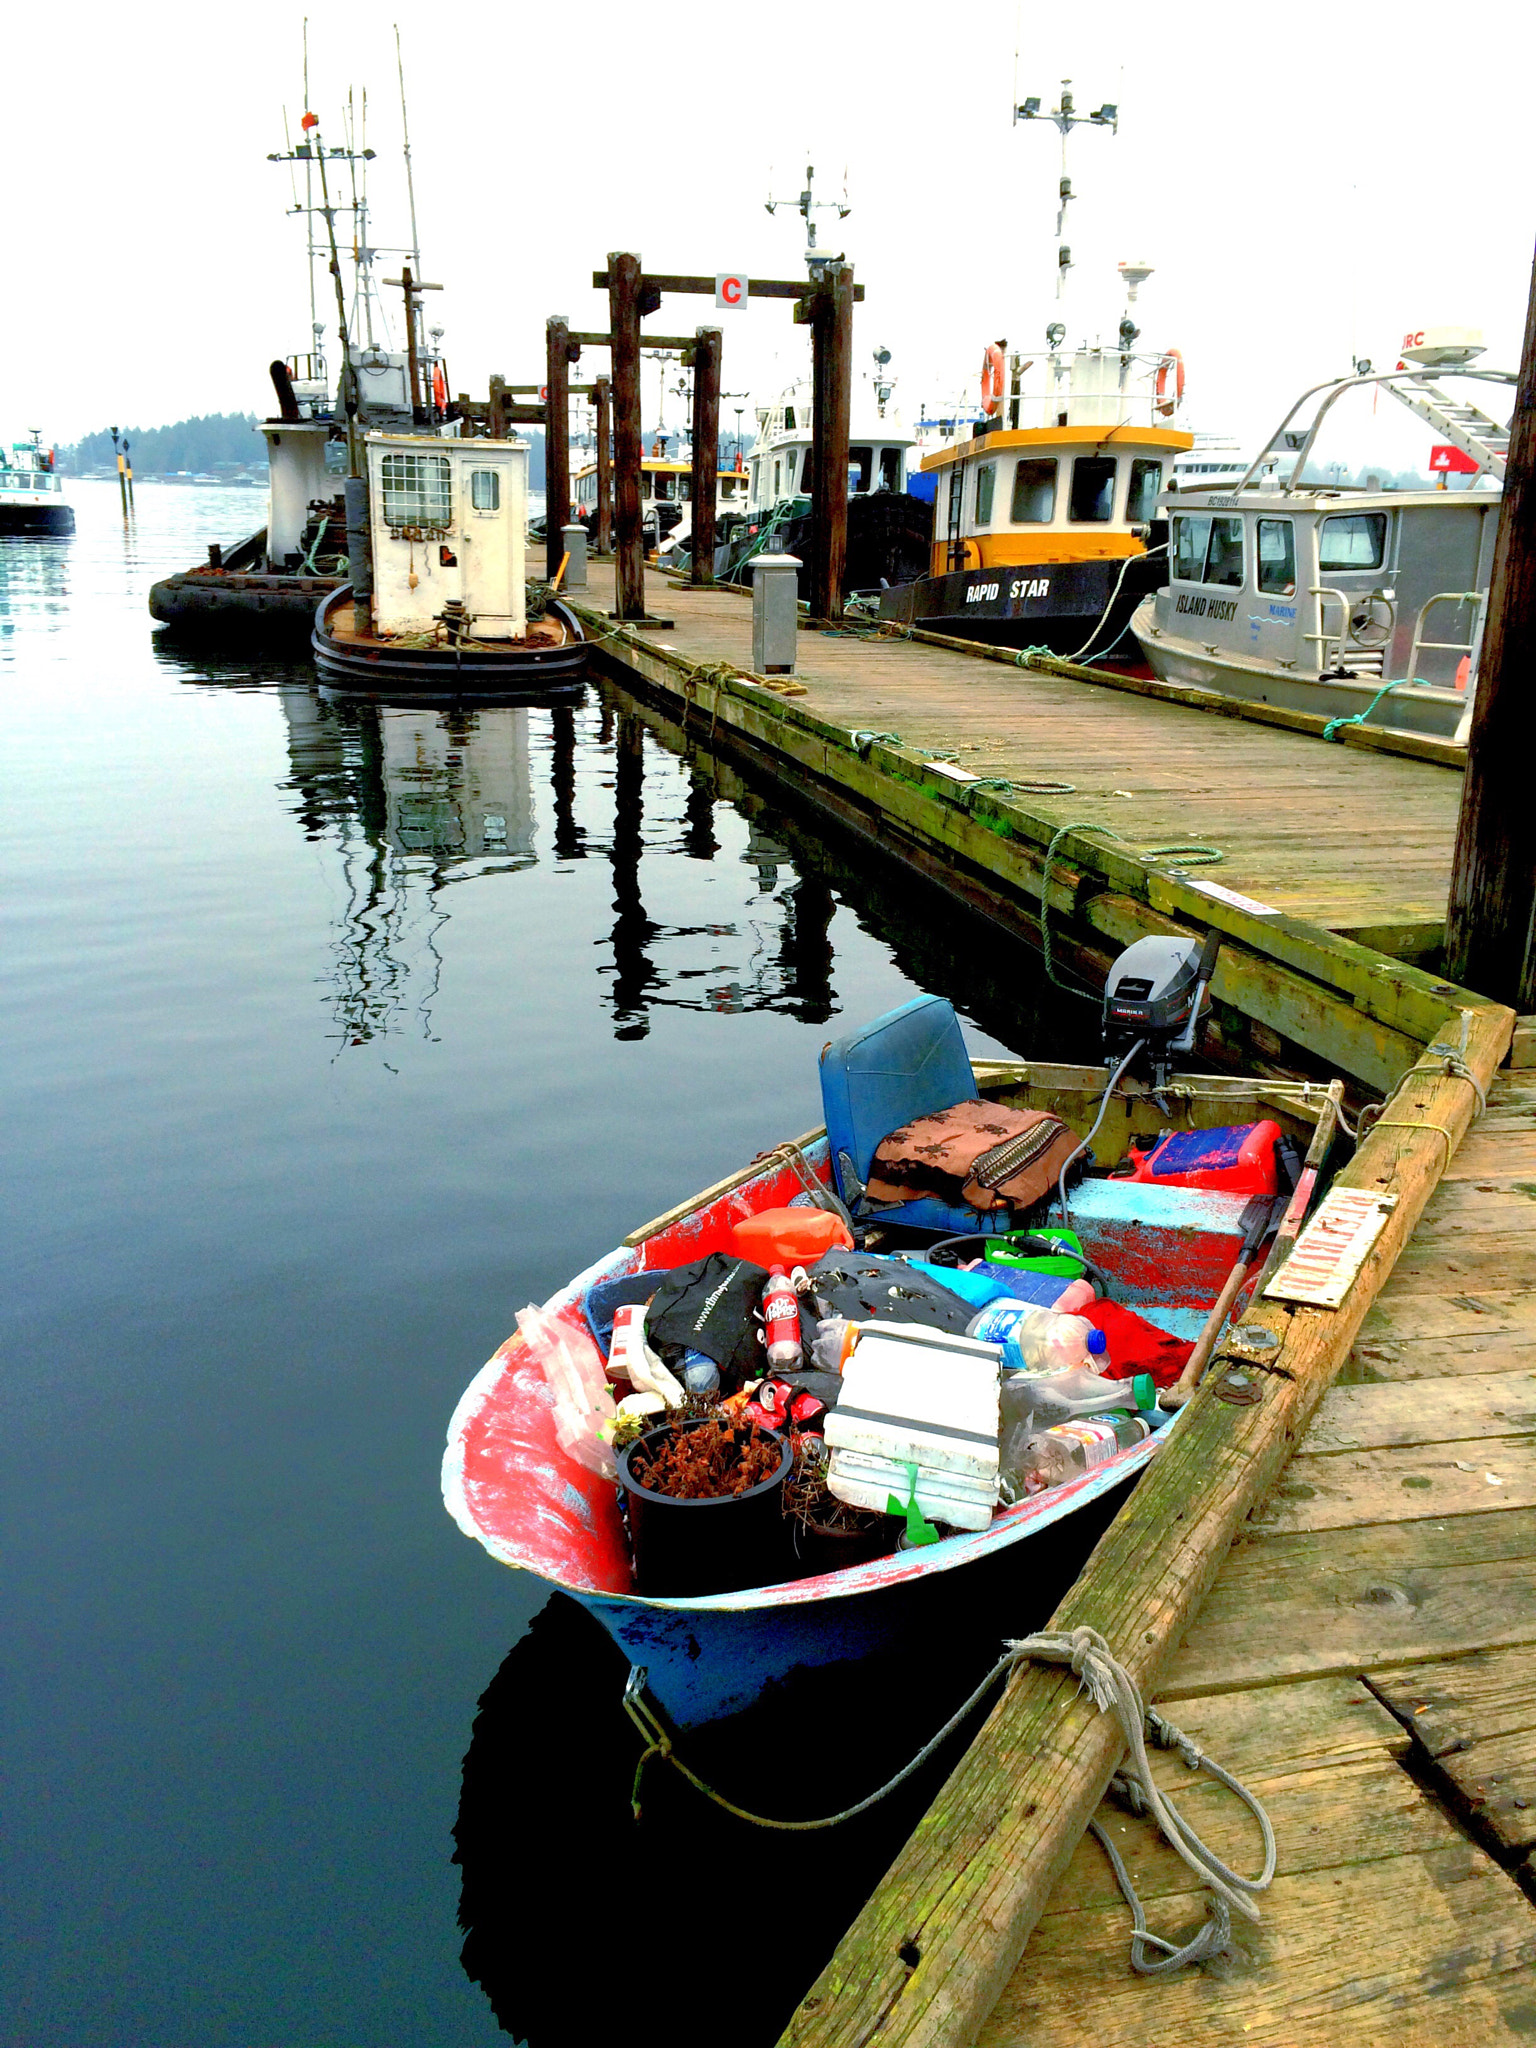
(418, 800)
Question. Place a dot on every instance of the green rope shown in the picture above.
(1192, 856)
(1189, 856)
(1332, 728)
(1025, 656)
(1077, 825)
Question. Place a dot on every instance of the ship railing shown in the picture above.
(1472, 598)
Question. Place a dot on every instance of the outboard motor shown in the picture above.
(1155, 992)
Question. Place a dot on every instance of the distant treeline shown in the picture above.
(195, 444)
(202, 444)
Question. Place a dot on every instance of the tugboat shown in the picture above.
(1364, 605)
(31, 490)
(270, 582)
(439, 610)
(1045, 521)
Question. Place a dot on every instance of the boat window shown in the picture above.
(663, 488)
(1357, 540)
(986, 480)
(1034, 494)
(1189, 543)
(685, 489)
(416, 490)
(1224, 556)
(789, 416)
(789, 470)
(778, 471)
(1093, 488)
(890, 469)
(860, 462)
(1146, 483)
(805, 473)
(1277, 557)
(485, 490)
(956, 486)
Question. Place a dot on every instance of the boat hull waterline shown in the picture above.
(380, 668)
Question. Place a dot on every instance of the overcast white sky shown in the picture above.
(1308, 179)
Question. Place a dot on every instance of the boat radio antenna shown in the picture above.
(1066, 118)
(410, 181)
(808, 207)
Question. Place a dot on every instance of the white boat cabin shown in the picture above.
(449, 521)
(27, 475)
(779, 467)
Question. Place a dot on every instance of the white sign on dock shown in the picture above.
(1333, 1247)
(730, 288)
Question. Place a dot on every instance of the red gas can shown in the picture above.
(1237, 1158)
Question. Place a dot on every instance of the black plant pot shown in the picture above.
(689, 1547)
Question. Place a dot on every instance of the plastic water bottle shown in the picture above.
(781, 1318)
(1068, 1450)
(1035, 1339)
(700, 1374)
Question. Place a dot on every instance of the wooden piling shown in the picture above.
(829, 308)
(557, 437)
(602, 400)
(706, 451)
(1489, 927)
(496, 422)
(624, 283)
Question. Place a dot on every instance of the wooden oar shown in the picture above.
(1257, 1229)
(1258, 1217)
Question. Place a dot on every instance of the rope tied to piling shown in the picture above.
(1113, 1690)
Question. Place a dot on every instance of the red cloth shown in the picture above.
(1135, 1345)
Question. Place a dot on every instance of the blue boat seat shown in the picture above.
(909, 1063)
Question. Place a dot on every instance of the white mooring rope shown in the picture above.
(1111, 1688)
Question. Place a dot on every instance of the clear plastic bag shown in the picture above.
(583, 1400)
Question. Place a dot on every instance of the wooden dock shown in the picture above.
(1365, 1656)
(1366, 1661)
(1298, 821)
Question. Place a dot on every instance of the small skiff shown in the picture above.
(507, 1483)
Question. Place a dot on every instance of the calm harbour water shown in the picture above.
(332, 1037)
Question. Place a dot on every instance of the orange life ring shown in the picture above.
(993, 371)
(1175, 362)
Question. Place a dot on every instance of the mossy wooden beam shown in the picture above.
(1001, 835)
(928, 1957)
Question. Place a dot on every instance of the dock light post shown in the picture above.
(122, 481)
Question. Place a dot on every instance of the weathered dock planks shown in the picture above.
(1380, 1568)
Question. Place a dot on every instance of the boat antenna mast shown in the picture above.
(808, 207)
(313, 153)
(1066, 117)
(413, 314)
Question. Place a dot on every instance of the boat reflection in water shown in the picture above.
(418, 800)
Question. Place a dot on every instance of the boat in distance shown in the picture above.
(508, 1484)
(31, 491)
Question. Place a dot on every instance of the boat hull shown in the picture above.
(428, 675)
(58, 519)
(1433, 712)
(1057, 605)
